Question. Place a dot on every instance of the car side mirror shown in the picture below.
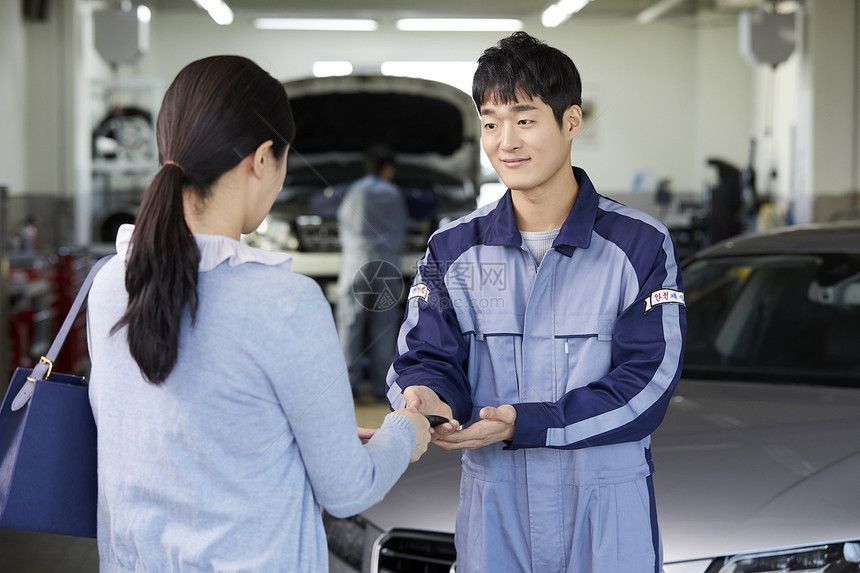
(844, 293)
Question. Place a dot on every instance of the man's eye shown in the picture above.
(526, 121)
(489, 126)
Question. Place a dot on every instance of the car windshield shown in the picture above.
(775, 318)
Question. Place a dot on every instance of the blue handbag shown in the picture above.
(48, 480)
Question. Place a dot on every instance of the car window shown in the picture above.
(792, 318)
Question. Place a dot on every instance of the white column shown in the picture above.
(801, 143)
(79, 28)
(13, 131)
(834, 71)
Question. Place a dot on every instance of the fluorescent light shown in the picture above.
(332, 24)
(788, 7)
(207, 4)
(559, 12)
(459, 24)
(222, 15)
(144, 14)
(656, 10)
(553, 16)
(457, 74)
(335, 68)
(218, 11)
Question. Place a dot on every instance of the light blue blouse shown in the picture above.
(223, 467)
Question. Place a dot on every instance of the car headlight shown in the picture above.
(836, 558)
(273, 234)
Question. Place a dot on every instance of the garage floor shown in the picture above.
(41, 553)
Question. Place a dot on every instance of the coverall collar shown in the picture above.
(575, 231)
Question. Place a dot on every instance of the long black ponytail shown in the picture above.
(216, 112)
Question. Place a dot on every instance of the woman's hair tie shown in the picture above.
(173, 163)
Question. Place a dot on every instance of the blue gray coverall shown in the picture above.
(372, 222)
(588, 349)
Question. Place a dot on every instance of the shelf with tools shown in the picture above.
(124, 151)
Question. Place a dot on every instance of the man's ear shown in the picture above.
(262, 157)
(573, 121)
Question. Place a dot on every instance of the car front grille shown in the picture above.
(407, 551)
(321, 235)
(317, 235)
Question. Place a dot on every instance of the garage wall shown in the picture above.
(667, 95)
(724, 87)
(832, 50)
(645, 104)
(46, 97)
(777, 106)
(813, 99)
(13, 172)
(654, 86)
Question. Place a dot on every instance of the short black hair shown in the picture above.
(521, 65)
(378, 156)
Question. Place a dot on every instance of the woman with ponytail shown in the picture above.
(223, 406)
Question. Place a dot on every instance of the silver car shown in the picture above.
(758, 458)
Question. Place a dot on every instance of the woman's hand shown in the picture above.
(366, 433)
(422, 431)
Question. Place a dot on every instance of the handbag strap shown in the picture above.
(42, 370)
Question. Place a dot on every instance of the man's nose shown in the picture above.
(510, 139)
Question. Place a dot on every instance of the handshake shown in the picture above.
(433, 421)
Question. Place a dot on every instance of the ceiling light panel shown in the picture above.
(559, 12)
(330, 24)
(332, 68)
(218, 10)
(459, 24)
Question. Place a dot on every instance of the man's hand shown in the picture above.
(366, 433)
(427, 401)
(496, 425)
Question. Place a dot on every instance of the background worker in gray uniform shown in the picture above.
(372, 221)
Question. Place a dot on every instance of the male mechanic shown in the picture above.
(372, 221)
(551, 325)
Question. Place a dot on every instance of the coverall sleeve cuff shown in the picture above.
(531, 425)
(459, 410)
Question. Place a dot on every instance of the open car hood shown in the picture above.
(432, 127)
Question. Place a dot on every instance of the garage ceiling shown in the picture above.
(624, 9)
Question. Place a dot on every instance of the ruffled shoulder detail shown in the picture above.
(216, 249)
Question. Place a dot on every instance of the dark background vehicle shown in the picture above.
(758, 456)
(434, 131)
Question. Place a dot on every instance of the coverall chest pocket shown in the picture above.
(495, 359)
(583, 349)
